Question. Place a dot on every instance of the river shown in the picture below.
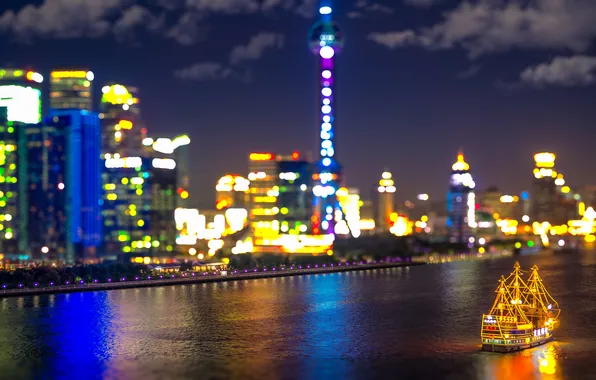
(399, 323)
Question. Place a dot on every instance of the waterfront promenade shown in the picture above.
(204, 277)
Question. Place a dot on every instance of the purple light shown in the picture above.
(273, 268)
(326, 74)
(148, 277)
(136, 278)
(4, 286)
(308, 267)
(95, 281)
(123, 279)
(35, 284)
(316, 266)
(20, 286)
(245, 271)
(109, 280)
(204, 274)
(300, 267)
(160, 276)
(265, 270)
(67, 282)
(172, 276)
(82, 282)
(256, 270)
(235, 271)
(193, 274)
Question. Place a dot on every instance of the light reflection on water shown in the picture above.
(420, 322)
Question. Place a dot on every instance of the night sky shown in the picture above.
(417, 80)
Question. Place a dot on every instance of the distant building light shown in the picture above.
(164, 163)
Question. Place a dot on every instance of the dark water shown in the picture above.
(407, 323)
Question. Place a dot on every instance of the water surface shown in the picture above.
(400, 323)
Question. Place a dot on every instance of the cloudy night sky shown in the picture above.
(417, 80)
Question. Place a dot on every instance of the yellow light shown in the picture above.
(481, 250)
(565, 189)
(581, 207)
(461, 164)
(146, 260)
(330, 252)
(184, 194)
(69, 74)
(125, 124)
(261, 156)
(139, 192)
(225, 260)
(201, 256)
(424, 218)
(590, 238)
(192, 251)
(141, 223)
(545, 160)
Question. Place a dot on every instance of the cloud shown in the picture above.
(252, 51)
(204, 71)
(577, 70)
(224, 6)
(189, 29)
(62, 19)
(133, 18)
(470, 72)
(421, 3)
(256, 47)
(490, 26)
(364, 6)
(393, 40)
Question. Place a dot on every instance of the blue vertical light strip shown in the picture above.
(326, 42)
(91, 182)
(73, 179)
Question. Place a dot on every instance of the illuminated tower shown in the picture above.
(71, 89)
(386, 200)
(544, 188)
(461, 202)
(326, 40)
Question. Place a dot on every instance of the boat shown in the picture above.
(524, 314)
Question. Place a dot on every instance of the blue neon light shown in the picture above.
(326, 161)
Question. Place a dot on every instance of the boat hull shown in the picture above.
(514, 347)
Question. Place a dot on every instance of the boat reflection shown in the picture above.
(536, 363)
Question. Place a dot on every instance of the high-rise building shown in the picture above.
(263, 208)
(461, 202)
(385, 202)
(295, 199)
(20, 106)
(71, 89)
(166, 188)
(350, 202)
(127, 167)
(326, 40)
(64, 187)
(544, 188)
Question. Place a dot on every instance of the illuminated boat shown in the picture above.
(523, 315)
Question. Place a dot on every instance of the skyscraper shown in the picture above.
(326, 40)
(461, 202)
(385, 202)
(64, 188)
(295, 199)
(544, 188)
(71, 89)
(263, 199)
(20, 106)
(127, 168)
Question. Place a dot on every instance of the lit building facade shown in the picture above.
(385, 202)
(71, 89)
(326, 40)
(64, 187)
(20, 106)
(544, 188)
(166, 189)
(232, 192)
(349, 200)
(461, 202)
(127, 167)
(295, 198)
(264, 191)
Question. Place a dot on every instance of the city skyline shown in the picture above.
(499, 128)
